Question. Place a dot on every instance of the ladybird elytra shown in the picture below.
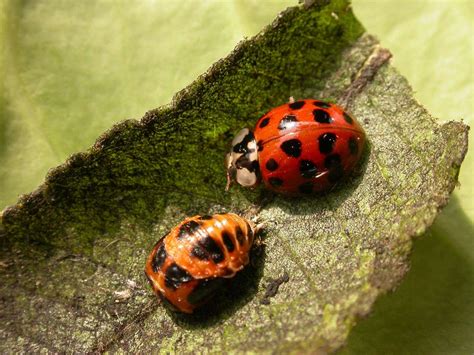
(301, 147)
(189, 263)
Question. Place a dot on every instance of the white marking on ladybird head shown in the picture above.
(242, 161)
(246, 178)
(239, 138)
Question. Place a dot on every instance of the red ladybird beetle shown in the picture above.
(187, 265)
(301, 147)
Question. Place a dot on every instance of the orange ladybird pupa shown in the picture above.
(189, 263)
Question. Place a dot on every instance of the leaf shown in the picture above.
(73, 250)
(431, 311)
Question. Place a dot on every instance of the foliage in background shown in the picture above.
(51, 103)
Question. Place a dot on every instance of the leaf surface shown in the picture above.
(72, 246)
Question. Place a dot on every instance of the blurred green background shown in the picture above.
(69, 70)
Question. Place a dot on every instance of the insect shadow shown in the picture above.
(232, 295)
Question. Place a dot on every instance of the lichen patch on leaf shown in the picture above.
(73, 245)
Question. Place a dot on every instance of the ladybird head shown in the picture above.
(242, 160)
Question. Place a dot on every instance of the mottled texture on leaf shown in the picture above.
(70, 248)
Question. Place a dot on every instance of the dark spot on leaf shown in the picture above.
(273, 286)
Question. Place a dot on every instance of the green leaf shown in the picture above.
(70, 248)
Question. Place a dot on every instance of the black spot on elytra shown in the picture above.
(292, 148)
(260, 146)
(333, 163)
(322, 116)
(205, 217)
(276, 182)
(326, 142)
(322, 104)
(227, 239)
(243, 146)
(204, 290)
(348, 118)
(264, 122)
(175, 276)
(306, 187)
(188, 229)
(307, 169)
(353, 147)
(296, 105)
(159, 258)
(199, 253)
(239, 235)
(287, 122)
(271, 164)
(212, 249)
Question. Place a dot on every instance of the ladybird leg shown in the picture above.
(258, 242)
(254, 225)
(258, 248)
(259, 227)
(291, 100)
(228, 164)
(229, 182)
